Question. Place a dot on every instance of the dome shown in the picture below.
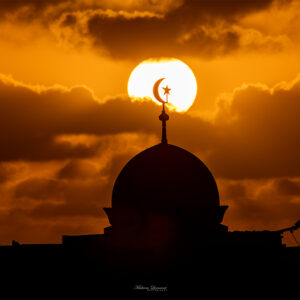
(165, 176)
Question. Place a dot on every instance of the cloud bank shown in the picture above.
(62, 149)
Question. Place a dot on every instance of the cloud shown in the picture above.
(193, 7)
(258, 129)
(8, 6)
(19, 225)
(9, 171)
(78, 170)
(251, 147)
(67, 199)
(256, 204)
(254, 134)
(49, 10)
(39, 189)
(62, 148)
(198, 28)
(264, 204)
(285, 186)
(142, 29)
(31, 119)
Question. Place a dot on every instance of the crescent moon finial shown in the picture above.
(155, 90)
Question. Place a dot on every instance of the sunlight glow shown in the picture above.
(179, 77)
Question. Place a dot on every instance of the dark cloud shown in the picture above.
(258, 133)
(255, 133)
(56, 198)
(257, 204)
(67, 199)
(27, 147)
(82, 208)
(235, 190)
(288, 187)
(141, 37)
(253, 140)
(31, 120)
(142, 29)
(29, 10)
(201, 28)
(114, 166)
(192, 7)
(8, 172)
(11, 6)
(39, 189)
(78, 170)
(21, 225)
(69, 20)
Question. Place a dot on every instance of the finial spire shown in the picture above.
(164, 118)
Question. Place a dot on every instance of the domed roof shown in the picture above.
(165, 176)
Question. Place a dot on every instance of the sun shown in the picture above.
(178, 77)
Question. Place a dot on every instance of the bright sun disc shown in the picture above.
(178, 76)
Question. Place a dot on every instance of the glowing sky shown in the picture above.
(67, 125)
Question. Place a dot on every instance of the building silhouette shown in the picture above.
(166, 240)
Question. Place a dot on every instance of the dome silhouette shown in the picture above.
(165, 176)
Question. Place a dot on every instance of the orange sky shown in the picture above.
(67, 126)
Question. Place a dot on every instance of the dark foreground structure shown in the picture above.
(166, 240)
